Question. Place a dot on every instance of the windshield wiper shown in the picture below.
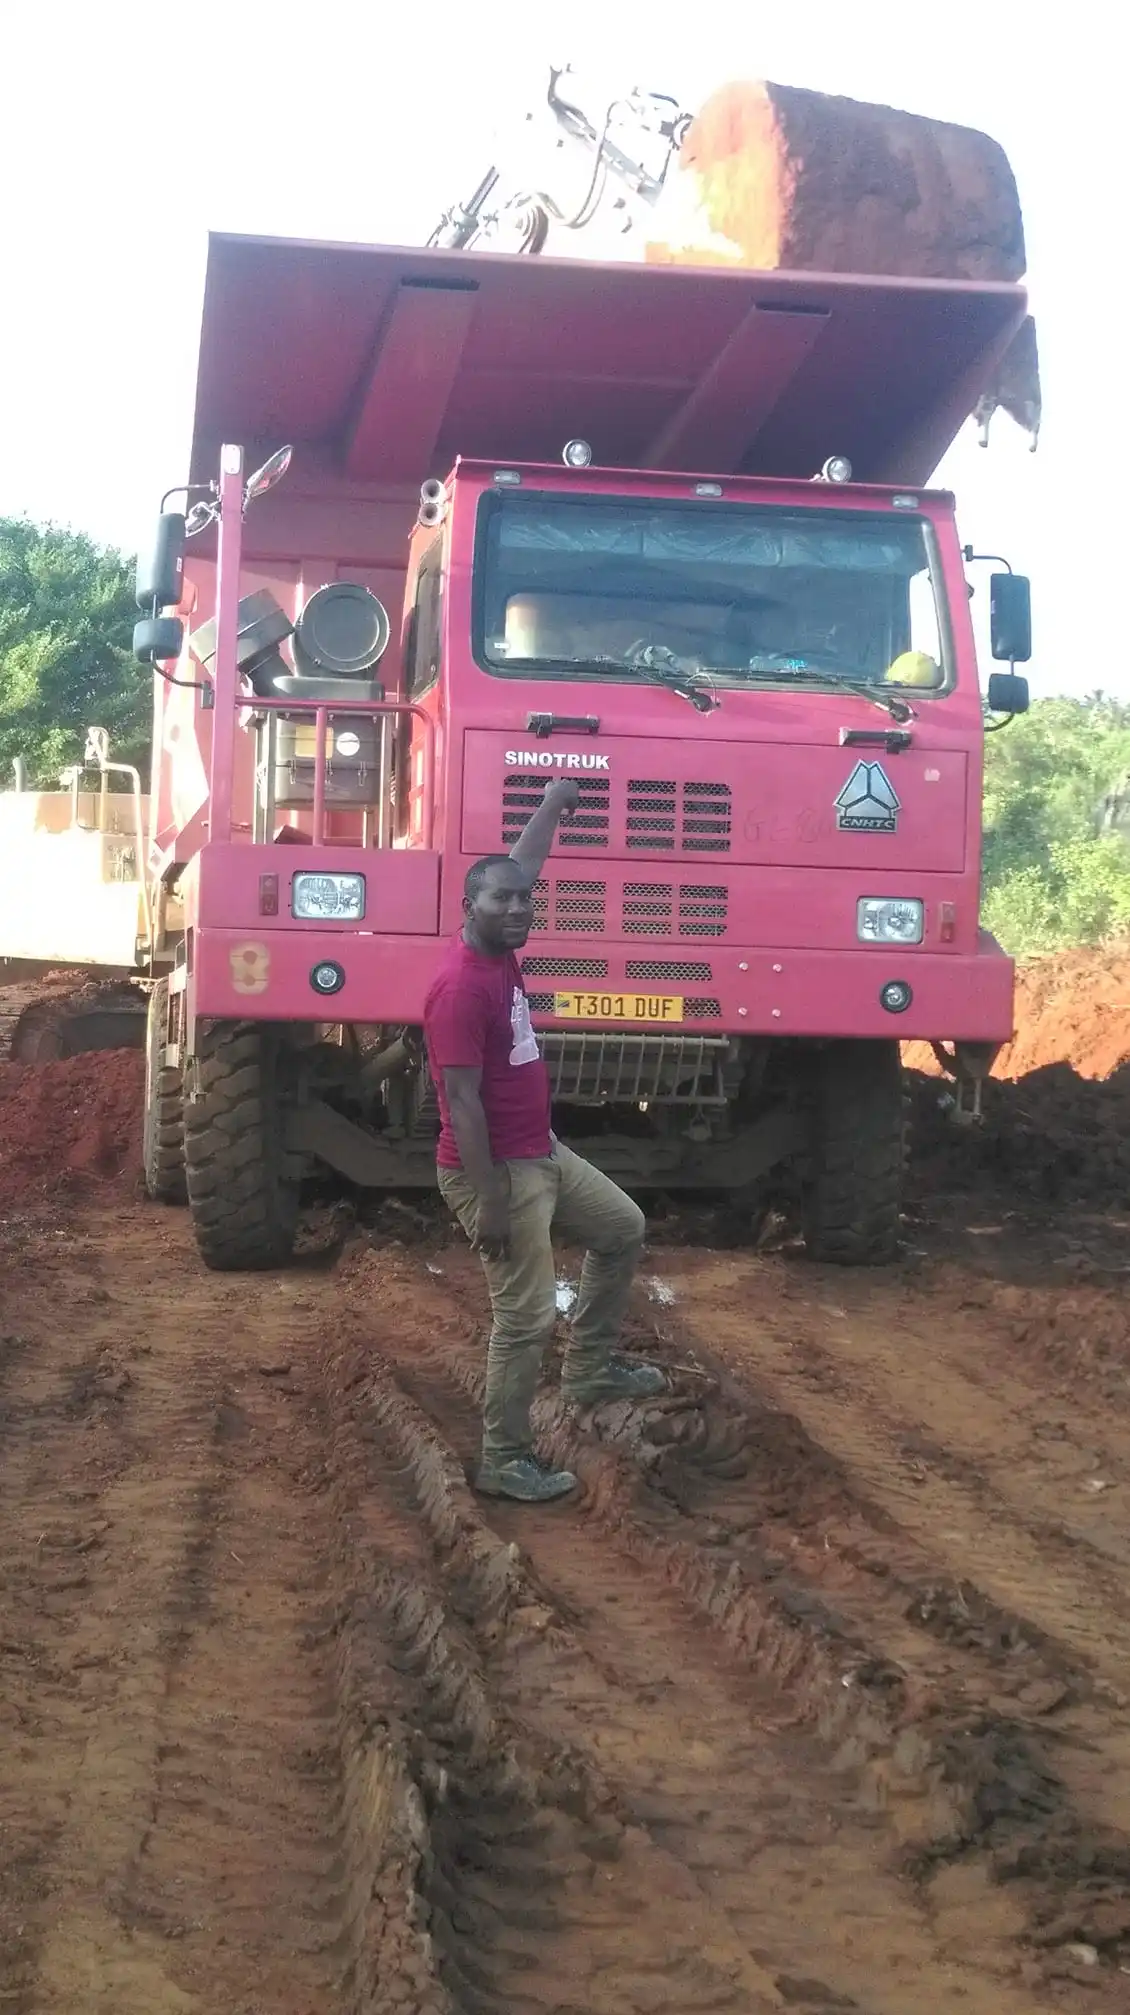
(683, 683)
(662, 667)
(900, 710)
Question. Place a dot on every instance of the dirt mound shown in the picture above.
(68, 1124)
(1057, 1112)
(1052, 1136)
(1073, 1008)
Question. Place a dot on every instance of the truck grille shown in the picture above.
(702, 910)
(569, 907)
(588, 827)
(649, 910)
(582, 969)
(664, 816)
(706, 819)
(606, 1069)
(667, 969)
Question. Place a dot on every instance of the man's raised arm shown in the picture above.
(532, 846)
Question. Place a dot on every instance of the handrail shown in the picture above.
(229, 550)
(323, 711)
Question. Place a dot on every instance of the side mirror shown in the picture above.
(1010, 617)
(157, 638)
(160, 571)
(264, 479)
(1008, 692)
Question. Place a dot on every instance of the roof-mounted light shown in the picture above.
(576, 454)
(837, 469)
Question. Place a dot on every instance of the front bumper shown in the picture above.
(754, 990)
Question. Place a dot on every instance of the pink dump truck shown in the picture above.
(667, 531)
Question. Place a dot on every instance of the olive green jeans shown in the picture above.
(567, 1195)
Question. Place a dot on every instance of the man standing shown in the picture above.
(511, 1183)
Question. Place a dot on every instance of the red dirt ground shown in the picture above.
(813, 1699)
(69, 1125)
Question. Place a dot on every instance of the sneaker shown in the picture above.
(525, 1479)
(619, 1378)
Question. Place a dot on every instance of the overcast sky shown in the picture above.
(129, 130)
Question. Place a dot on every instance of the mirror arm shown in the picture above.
(988, 559)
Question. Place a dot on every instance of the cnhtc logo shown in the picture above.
(868, 802)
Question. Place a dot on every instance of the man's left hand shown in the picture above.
(563, 794)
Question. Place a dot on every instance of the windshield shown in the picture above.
(588, 587)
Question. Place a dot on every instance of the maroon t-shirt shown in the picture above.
(477, 1017)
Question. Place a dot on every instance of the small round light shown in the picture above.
(837, 469)
(896, 996)
(576, 454)
(327, 977)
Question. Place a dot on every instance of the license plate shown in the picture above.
(650, 1008)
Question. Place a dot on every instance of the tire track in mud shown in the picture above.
(889, 1777)
(198, 1812)
(714, 1851)
(983, 1741)
(546, 1899)
(961, 1453)
(299, 1723)
(944, 1508)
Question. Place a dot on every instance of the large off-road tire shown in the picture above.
(162, 1132)
(243, 1188)
(854, 1192)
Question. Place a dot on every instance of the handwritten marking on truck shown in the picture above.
(553, 759)
(618, 1007)
(868, 802)
(250, 968)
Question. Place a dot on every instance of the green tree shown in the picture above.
(1051, 876)
(66, 621)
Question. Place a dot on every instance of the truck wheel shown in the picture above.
(162, 1138)
(854, 1191)
(242, 1186)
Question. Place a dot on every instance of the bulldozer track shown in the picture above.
(813, 1699)
(14, 1003)
(38, 1009)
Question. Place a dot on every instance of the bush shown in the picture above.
(1051, 877)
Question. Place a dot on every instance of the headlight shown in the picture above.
(888, 920)
(340, 898)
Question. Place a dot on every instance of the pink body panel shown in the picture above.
(781, 992)
(781, 811)
(222, 888)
